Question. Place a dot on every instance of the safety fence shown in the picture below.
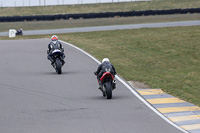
(97, 15)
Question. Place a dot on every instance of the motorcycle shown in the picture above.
(19, 32)
(56, 55)
(108, 84)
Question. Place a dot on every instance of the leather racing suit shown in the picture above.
(52, 46)
(102, 68)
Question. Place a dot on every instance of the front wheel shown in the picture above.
(108, 90)
(58, 66)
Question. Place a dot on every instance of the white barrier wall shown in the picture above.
(12, 33)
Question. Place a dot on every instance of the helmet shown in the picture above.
(105, 59)
(54, 39)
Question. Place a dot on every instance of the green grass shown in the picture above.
(38, 25)
(95, 8)
(166, 58)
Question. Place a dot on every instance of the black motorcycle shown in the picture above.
(58, 63)
(19, 32)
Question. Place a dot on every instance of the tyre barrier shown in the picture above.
(97, 15)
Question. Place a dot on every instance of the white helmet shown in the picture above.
(54, 39)
(105, 59)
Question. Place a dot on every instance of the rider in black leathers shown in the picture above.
(102, 68)
(55, 44)
(19, 32)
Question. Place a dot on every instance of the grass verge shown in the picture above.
(166, 58)
(39, 25)
(96, 8)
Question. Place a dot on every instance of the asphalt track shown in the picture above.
(107, 28)
(34, 99)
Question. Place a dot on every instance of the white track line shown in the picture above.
(132, 90)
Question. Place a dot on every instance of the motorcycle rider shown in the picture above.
(55, 44)
(102, 68)
(19, 32)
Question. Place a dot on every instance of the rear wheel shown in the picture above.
(108, 90)
(58, 66)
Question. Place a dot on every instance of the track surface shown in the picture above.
(106, 28)
(34, 99)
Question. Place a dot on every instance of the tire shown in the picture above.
(58, 66)
(108, 90)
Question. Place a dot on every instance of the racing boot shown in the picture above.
(62, 58)
(63, 62)
(100, 86)
(49, 58)
(52, 63)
